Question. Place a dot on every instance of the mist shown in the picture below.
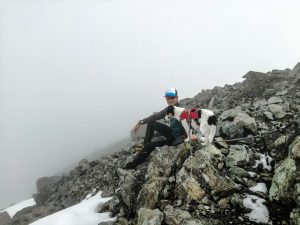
(75, 76)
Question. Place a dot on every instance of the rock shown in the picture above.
(229, 114)
(107, 223)
(268, 115)
(238, 156)
(280, 141)
(237, 171)
(259, 103)
(231, 130)
(127, 182)
(221, 142)
(203, 170)
(223, 203)
(281, 188)
(294, 149)
(150, 217)
(279, 111)
(243, 120)
(4, 218)
(149, 195)
(190, 189)
(295, 217)
(162, 161)
(84, 164)
(46, 186)
(274, 100)
(281, 93)
(176, 216)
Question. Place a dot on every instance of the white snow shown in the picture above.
(12, 210)
(260, 187)
(259, 213)
(263, 160)
(84, 213)
(252, 174)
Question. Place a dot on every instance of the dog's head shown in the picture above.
(212, 120)
(170, 111)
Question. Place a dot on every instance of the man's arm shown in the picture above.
(155, 116)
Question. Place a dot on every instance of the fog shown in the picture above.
(75, 76)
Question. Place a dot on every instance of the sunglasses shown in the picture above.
(168, 98)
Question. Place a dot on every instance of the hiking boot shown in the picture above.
(129, 166)
(137, 148)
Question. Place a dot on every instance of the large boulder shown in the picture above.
(150, 217)
(202, 167)
(243, 120)
(279, 111)
(4, 218)
(149, 194)
(230, 114)
(231, 130)
(238, 156)
(282, 182)
(162, 160)
(175, 216)
(294, 148)
(46, 186)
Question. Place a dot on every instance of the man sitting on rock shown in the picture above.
(175, 130)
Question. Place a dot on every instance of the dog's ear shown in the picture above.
(212, 120)
(199, 113)
(170, 109)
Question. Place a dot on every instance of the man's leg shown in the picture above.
(150, 146)
(163, 129)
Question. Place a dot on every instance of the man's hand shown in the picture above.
(136, 127)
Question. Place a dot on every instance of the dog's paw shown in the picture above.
(186, 140)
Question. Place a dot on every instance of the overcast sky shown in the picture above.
(76, 76)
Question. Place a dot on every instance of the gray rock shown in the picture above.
(281, 188)
(4, 218)
(149, 195)
(231, 130)
(150, 217)
(294, 148)
(279, 111)
(239, 172)
(259, 103)
(190, 189)
(281, 93)
(127, 182)
(295, 217)
(238, 156)
(176, 216)
(46, 186)
(274, 100)
(203, 168)
(268, 115)
(107, 223)
(243, 120)
(230, 114)
(162, 160)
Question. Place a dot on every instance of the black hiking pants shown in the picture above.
(149, 146)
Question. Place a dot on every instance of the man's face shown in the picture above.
(172, 100)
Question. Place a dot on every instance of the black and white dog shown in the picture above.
(202, 121)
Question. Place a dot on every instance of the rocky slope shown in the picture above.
(217, 184)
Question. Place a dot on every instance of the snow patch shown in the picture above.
(12, 210)
(259, 213)
(252, 174)
(260, 187)
(265, 160)
(84, 212)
